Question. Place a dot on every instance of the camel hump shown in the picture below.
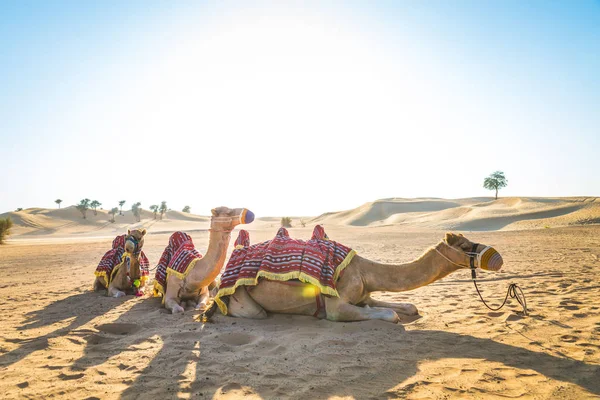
(243, 239)
(319, 233)
(179, 238)
(282, 232)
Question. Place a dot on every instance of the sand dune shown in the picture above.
(68, 221)
(471, 214)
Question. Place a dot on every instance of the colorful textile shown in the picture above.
(114, 258)
(243, 240)
(178, 258)
(318, 261)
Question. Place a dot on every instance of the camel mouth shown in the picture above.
(247, 216)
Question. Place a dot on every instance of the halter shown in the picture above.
(476, 256)
(135, 242)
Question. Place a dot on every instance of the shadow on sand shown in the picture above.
(68, 314)
(207, 359)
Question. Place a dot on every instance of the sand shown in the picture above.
(60, 340)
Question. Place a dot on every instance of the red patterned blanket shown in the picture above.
(318, 261)
(178, 258)
(114, 257)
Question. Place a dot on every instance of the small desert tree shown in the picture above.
(121, 203)
(495, 181)
(286, 222)
(162, 209)
(137, 210)
(83, 207)
(186, 209)
(154, 209)
(58, 201)
(5, 225)
(94, 205)
(112, 212)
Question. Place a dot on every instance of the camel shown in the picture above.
(357, 281)
(125, 267)
(190, 284)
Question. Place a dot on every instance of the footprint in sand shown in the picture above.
(569, 338)
(119, 329)
(237, 339)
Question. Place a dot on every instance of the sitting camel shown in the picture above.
(290, 277)
(125, 266)
(183, 274)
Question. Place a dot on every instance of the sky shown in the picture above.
(296, 108)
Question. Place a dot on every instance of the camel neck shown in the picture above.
(209, 266)
(428, 268)
(217, 247)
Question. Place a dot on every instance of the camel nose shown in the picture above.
(247, 216)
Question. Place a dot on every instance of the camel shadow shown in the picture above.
(68, 314)
(288, 356)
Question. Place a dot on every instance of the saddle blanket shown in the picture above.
(178, 258)
(318, 261)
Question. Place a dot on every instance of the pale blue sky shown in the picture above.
(296, 109)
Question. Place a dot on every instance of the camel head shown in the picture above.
(484, 257)
(225, 219)
(134, 240)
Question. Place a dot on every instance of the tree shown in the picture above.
(136, 209)
(95, 204)
(19, 209)
(83, 207)
(112, 212)
(154, 209)
(58, 201)
(286, 222)
(121, 205)
(495, 181)
(5, 225)
(186, 209)
(162, 209)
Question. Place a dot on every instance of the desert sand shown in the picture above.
(58, 339)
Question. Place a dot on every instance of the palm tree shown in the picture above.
(495, 181)
(121, 205)
(95, 204)
(83, 206)
(162, 209)
(154, 209)
(58, 201)
(112, 212)
(136, 209)
(186, 209)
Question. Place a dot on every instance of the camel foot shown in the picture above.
(177, 309)
(385, 314)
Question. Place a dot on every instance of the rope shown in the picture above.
(512, 292)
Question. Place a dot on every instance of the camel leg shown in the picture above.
(114, 292)
(243, 306)
(338, 310)
(201, 301)
(399, 308)
(171, 299)
(98, 285)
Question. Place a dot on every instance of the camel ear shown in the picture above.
(128, 232)
(213, 212)
(143, 232)
(451, 238)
